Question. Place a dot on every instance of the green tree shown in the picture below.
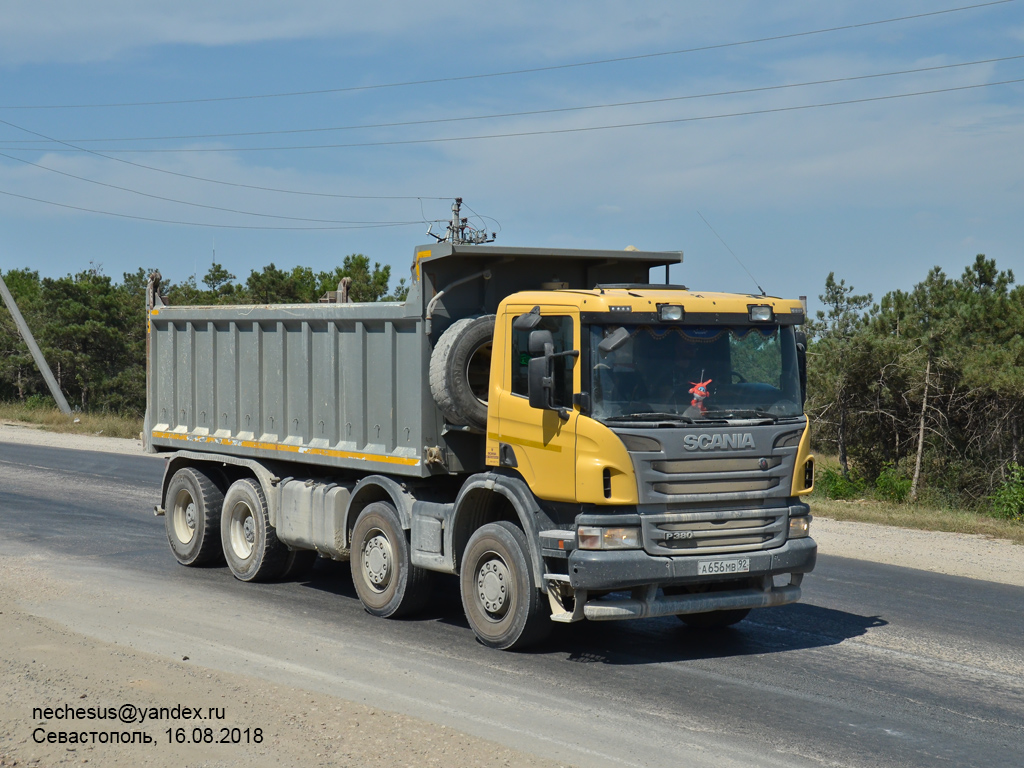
(839, 353)
(19, 377)
(367, 284)
(92, 338)
(218, 280)
(934, 374)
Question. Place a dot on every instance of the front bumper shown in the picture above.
(649, 603)
(646, 575)
(600, 571)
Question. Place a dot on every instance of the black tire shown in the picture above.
(192, 518)
(251, 548)
(714, 619)
(298, 563)
(387, 583)
(460, 368)
(500, 596)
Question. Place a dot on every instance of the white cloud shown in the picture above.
(71, 30)
(528, 30)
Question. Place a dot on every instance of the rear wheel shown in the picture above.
(191, 520)
(387, 583)
(500, 596)
(251, 548)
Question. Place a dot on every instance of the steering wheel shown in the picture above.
(740, 378)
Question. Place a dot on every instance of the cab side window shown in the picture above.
(561, 333)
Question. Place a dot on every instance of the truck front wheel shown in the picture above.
(710, 619)
(387, 583)
(714, 619)
(499, 593)
(194, 503)
(250, 542)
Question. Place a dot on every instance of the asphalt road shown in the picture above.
(877, 666)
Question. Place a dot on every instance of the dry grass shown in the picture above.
(917, 516)
(51, 419)
(922, 516)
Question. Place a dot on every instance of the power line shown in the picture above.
(530, 70)
(547, 132)
(492, 136)
(198, 223)
(217, 181)
(12, 144)
(202, 205)
(730, 250)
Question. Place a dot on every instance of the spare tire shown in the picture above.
(460, 371)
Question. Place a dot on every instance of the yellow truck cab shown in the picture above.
(671, 492)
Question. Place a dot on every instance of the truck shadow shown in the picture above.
(795, 627)
(649, 641)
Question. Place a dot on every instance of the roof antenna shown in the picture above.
(731, 251)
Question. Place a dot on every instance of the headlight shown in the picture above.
(670, 312)
(800, 527)
(761, 313)
(608, 538)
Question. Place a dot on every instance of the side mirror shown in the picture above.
(540, 377)
(801, 361)
(541, 343)
(541, 382)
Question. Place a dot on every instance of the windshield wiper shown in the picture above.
(747, 413)
(649, 416)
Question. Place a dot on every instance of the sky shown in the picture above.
(138, 134)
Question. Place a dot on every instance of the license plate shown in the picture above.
(715, 567)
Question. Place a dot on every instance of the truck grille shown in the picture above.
(681, 533)
(685, 480)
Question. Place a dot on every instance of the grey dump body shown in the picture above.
(345, 385)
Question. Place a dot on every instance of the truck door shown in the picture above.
(541, 444)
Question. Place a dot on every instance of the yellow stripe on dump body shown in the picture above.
(407, 462)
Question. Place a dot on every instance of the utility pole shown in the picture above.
(37, 354)
(456, 233)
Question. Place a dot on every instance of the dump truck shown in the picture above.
(569, 439)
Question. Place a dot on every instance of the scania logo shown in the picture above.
(719, 442)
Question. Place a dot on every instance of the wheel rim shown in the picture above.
(494, 586)
(478, 372)
(378, 560)
(242, 530)
(184, 516)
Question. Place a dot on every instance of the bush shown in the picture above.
(834, 485)
(890, 485)
(37, 401)
(1008, 500)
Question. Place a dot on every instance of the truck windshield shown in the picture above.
(693, 373)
